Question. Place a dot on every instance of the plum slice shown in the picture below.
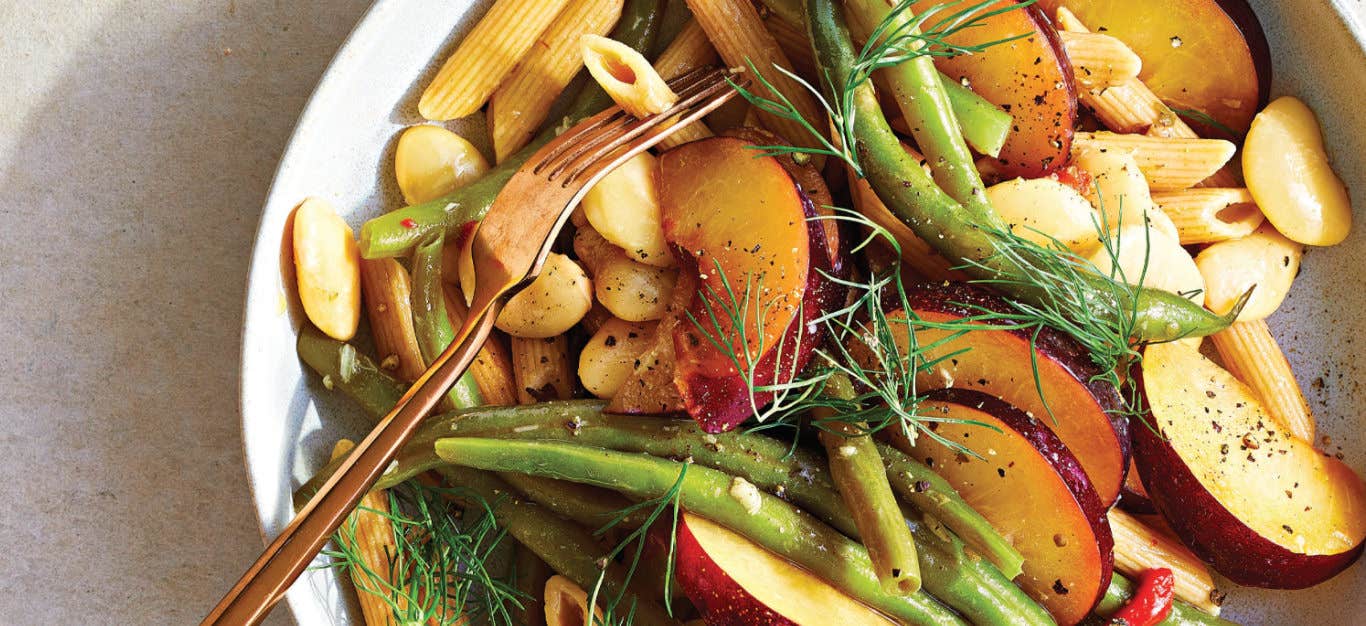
(1263, 507)
(1031, 488)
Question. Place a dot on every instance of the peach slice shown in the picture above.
(734, 218)
(734, 582)
(1263, 507)
(1030, 78)
(1060, 526)
(1179, 42)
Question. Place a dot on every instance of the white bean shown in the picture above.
(1266, 260)
(611, 354)
(552, 304)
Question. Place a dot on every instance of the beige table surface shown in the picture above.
(137, 141)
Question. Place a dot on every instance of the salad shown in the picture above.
(956, 316)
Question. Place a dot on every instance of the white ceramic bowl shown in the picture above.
(342, 150)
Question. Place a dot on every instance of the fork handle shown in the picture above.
(265, 582)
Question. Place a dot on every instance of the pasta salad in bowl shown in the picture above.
(963, 311)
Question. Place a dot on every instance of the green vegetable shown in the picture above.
(980, 239)
(928, 111)
(361, 379)
(433, 325)
(984, 125)
(857, 470)
(1182, 614)
(766, 519)
(766, 462)
(562, 544)
(397, 232)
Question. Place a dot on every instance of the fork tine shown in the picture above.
(568, 141)
(683, 113)
(571, 146)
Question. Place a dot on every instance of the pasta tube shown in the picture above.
(688, 51)
(794, 43)
(566, 604)
(521, 103)
(492, 366)
(1100, 60)
(370, 535)
(387, 293)
(1167, 163)
(737, 31)
(634, 85)
(1251, 354)
(1139, 548)
(1131, 107)
(1210, 214)
(485, 57)
(541, 368)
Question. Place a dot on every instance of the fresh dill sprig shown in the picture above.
(439, 570)
(893, 41)
(669, 501)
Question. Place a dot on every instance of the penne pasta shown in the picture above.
(1139, 548)
(737, 31)
(492, 366)
(566, 604)
(1167, 163)
(1131, 107)
(794, 43)
(542, 370)
(521, 103)
(387, 294)
(486, 56)
(635, 85)
(1099, 60)
(371, 536)
(688, 51)
(626, 76)
(1251, 354)
(1210, 214)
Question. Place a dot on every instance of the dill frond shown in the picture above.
(669, 501)
(439, 571)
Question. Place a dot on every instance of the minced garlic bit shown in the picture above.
(327, 382)
(746, 494)
(847, 451)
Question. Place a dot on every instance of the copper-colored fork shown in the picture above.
(507, 250)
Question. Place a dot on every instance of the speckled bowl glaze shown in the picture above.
(342, 150)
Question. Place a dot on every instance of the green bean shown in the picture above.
(928, 112)
(930, 493)
(766, 462)
(433, 325)
(397, 232)
(593, 507)
(530, 573)
(1182, 614)
(857, 470)
(567, 547)
(343, 367)
(984, 125)
(766, 519)
(961, 233)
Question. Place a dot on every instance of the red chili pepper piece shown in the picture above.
(1152, 601)
(408, 223)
